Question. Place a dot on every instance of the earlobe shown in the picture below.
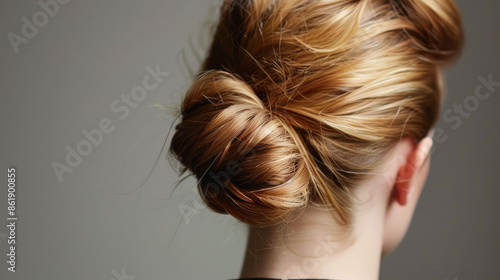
(401, 189)
(403, 186)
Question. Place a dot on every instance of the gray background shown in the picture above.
(100, 223)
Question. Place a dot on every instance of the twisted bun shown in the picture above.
(298, 100)
(246, 163)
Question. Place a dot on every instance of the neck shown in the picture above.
(315, 246)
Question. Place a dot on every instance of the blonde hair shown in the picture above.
(298, 100)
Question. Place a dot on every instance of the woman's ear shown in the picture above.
(415, 159)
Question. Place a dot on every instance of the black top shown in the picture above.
(278, 279)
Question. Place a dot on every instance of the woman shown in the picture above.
(311, 121)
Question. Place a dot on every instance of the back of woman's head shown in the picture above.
(298, 100)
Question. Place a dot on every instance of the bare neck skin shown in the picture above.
(315, 246)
